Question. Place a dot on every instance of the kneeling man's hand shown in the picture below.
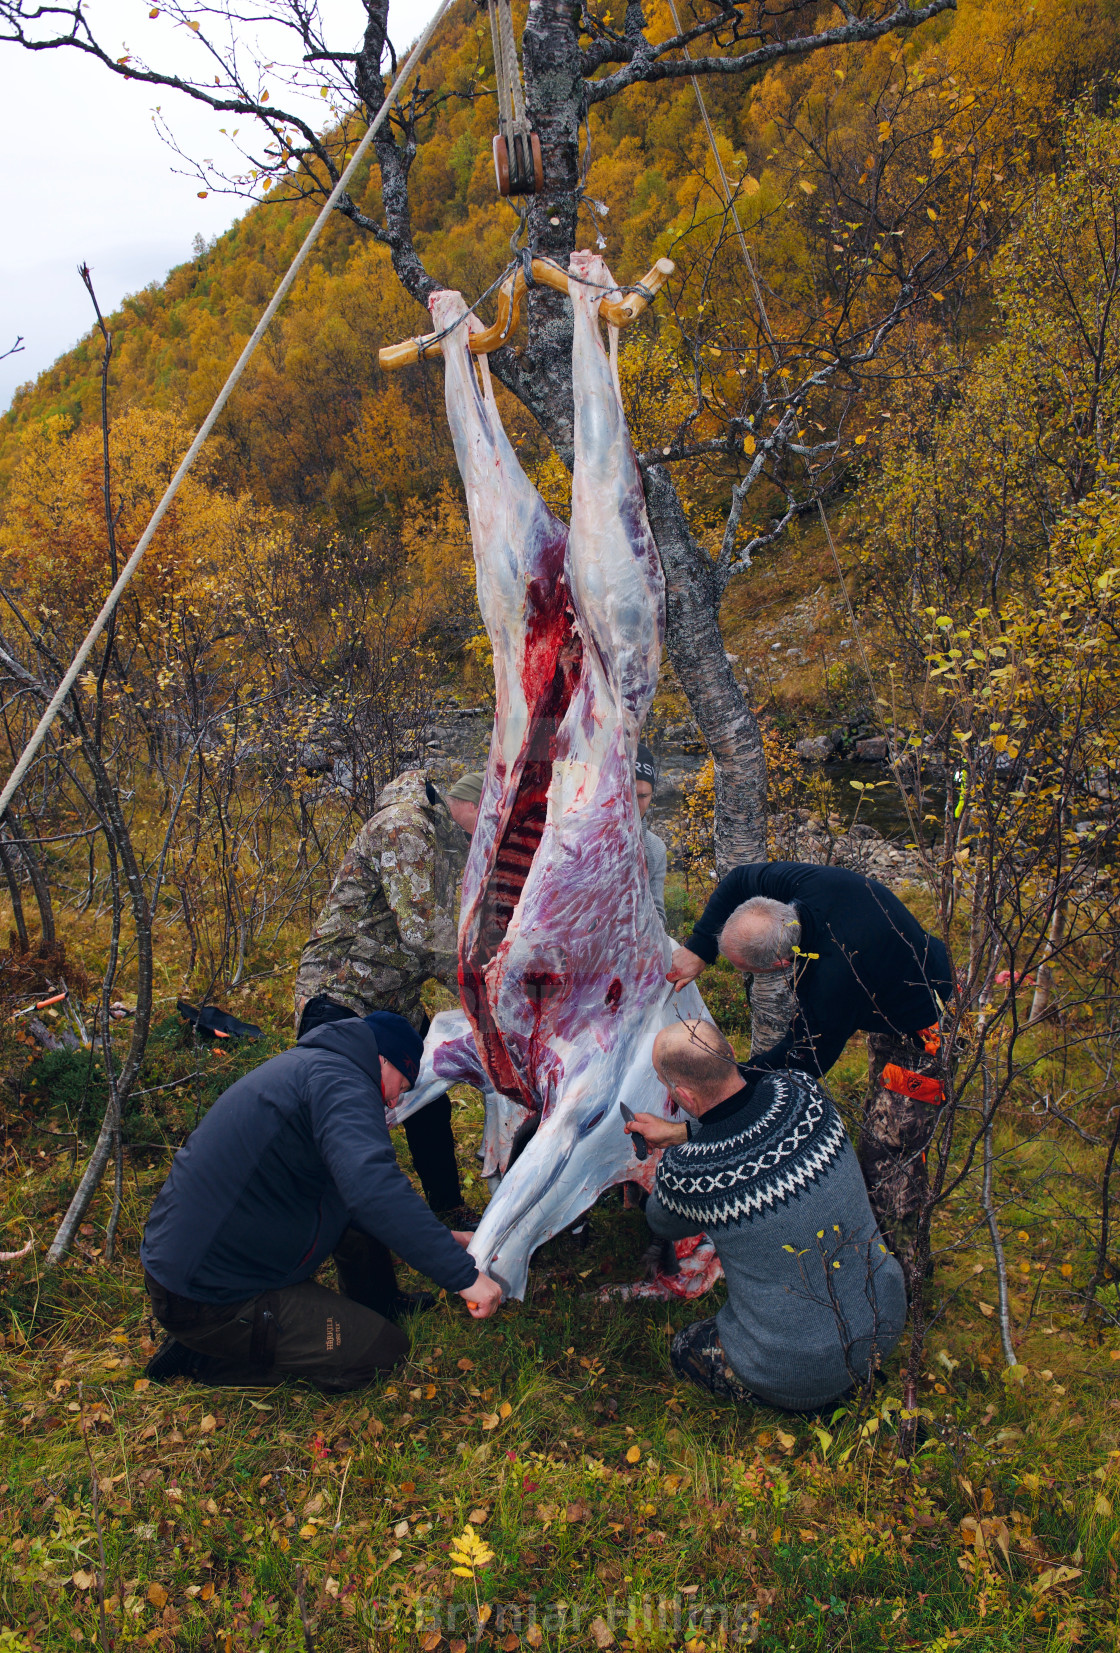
(658, 1132)
(483, 1298)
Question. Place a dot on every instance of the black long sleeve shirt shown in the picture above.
(875, 969)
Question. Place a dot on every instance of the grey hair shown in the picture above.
(761, 933)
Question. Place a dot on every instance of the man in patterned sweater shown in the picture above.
(815, 1301)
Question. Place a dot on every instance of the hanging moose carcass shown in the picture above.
(562, 957)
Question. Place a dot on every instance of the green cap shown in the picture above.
(468, 788)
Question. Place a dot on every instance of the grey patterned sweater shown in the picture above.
(771, 1177)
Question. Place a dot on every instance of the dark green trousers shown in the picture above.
(336, 1341)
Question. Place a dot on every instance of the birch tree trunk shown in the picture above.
(540, 376)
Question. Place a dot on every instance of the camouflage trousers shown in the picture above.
(895, 1133)
(696, 1353)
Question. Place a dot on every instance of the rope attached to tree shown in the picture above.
(518, 165)
(55, 704)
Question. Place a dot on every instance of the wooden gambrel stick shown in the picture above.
(618, 313)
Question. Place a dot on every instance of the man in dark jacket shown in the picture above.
(856, 960)
(292, 1164)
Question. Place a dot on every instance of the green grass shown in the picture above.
(802, 1534)
(614, 1501)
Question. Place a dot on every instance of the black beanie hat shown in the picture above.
(644, 767)
(398, 1041)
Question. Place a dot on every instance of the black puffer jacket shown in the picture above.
(875, 969)
(286, 1159)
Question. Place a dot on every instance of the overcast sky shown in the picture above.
(87, 178)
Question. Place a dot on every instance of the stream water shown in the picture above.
(882, 807)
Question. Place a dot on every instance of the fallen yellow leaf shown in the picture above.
(157, 1595)
(505, 1410)
(986, 1309)
(633, 1453)
(82, 1579)
(1053, 1576)
(477, 1516)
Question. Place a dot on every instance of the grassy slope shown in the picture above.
(607, 1485)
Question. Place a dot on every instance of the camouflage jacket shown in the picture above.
(390, 919)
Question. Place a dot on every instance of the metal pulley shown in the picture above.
(518, 164)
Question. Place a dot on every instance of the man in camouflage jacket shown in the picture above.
(389, 924)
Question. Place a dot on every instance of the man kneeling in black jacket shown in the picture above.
(292, 1164)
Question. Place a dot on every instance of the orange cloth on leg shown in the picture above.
(903, 1082)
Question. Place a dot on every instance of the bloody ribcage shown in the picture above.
(501, 891)
(527, 817)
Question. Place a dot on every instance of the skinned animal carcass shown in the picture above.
(450, 1058)
(562, 957)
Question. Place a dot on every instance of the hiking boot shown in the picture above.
(172, 1360)
(460, 1217)
(411, 1302)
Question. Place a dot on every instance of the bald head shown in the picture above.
(760, 935)
(697, 1064)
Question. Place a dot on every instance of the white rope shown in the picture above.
(507, 70)
(513, 67)
(130, 567)
(501, 77)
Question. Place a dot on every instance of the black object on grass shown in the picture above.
(212, 1023)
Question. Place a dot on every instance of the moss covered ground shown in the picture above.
(592, 1500)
